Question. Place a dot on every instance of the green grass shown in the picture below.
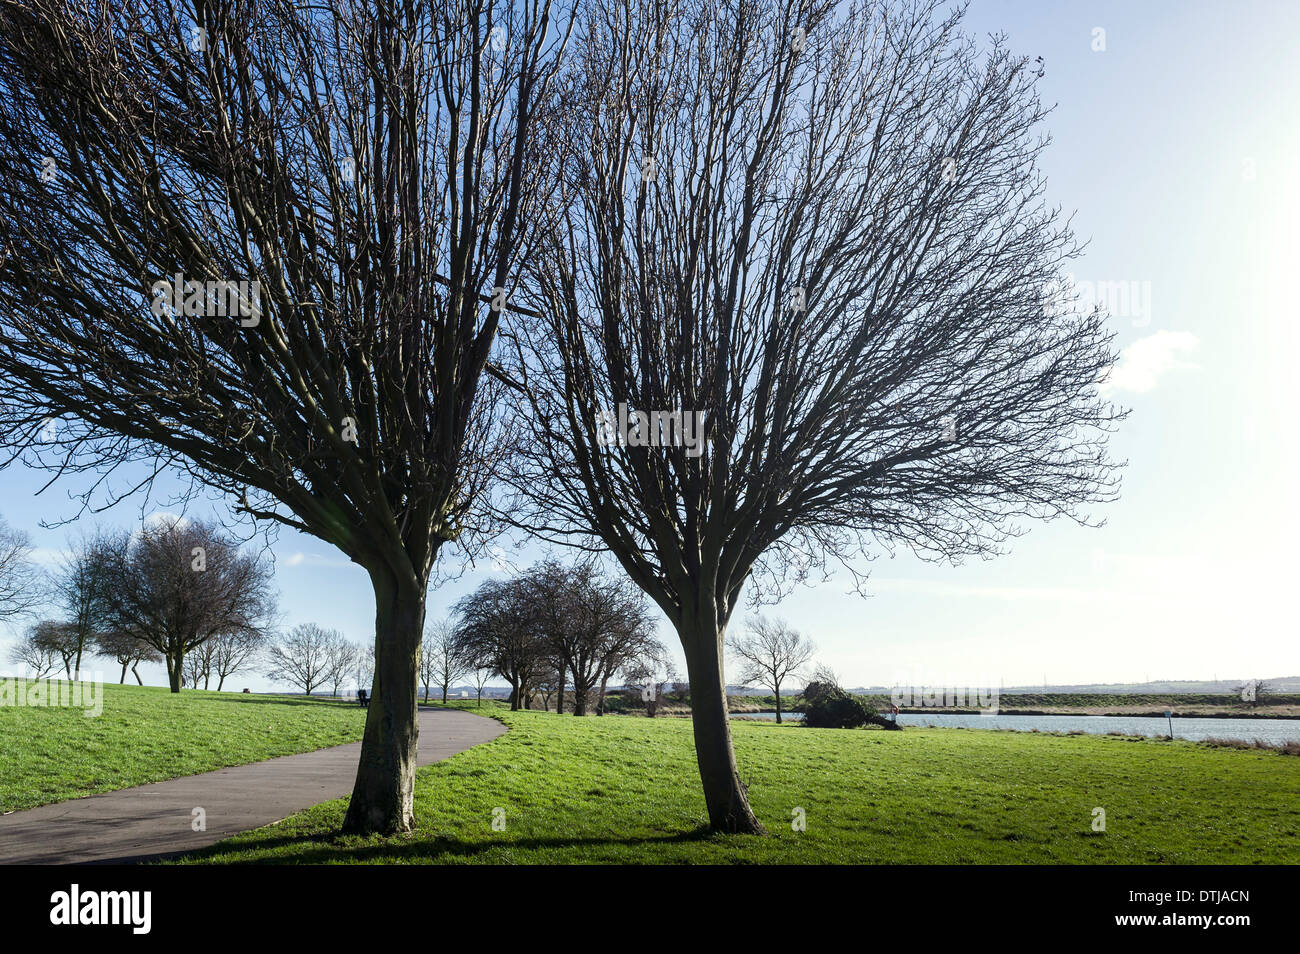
(625, 789)
(147, 734)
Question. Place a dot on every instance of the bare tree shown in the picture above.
(177, 583)
(500, 627)
(340, 663)
(233, 652)
(1252, 691)
(35, 654)
(304, 656)
(795, 304)
(592, 625)
(649, 673)
(480, 675)
(824, 679)
(197, 667)
(20, 579)
(770, 653)
(629, 634)
(441, 663)
(364, 664)
(128, 651)
(269, 243)
(546, 688)
(60, 638)
(77, 584)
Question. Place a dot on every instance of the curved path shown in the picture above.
(152, 821)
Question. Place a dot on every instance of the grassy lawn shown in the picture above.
(625, 789)
(146, 734)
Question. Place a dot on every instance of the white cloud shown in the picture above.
(1142, 363)
(47, 556)
(299, 558)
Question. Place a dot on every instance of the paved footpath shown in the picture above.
(152, 821)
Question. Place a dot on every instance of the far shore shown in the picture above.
(1201, 712)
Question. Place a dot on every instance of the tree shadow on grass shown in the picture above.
(331, 848)
(250, 699)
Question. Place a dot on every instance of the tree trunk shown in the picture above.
(580, 692)
(174, 671)
(559, 696)
(221, 681)
(444, 693)
(600, 703)
(724, 793)
(136, 672)
(122, 681)
(778, 702)
(382, 798)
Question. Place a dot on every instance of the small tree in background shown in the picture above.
(834, 708)
(128, 651)
(178, 583)
(60, 638)
(480, 675)
(20, 578)
(500, 627)
(363, 663)
(649, 673)
(593, 625)
(77, 584)
(198, 666)
(34, 654)
(340, 661)
(441, 660)
(305, 656)
(233, 652)
(824, 679)
(771, 652)
(1252, 691)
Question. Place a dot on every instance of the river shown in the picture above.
(1248, 730)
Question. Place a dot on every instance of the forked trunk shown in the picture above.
(174, 671)
(724, 793)
(383, 796)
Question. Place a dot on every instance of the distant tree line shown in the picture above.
(179, 592)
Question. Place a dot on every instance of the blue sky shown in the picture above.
(1179, 146)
